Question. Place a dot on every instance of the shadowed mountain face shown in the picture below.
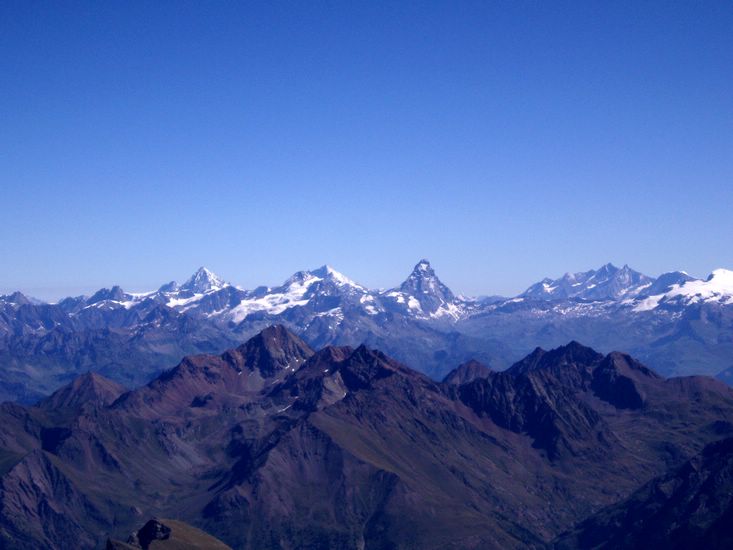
(89, 390)
(467, 372)
(274, 445)
(690, 507)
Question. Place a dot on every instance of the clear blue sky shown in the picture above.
(504, 141)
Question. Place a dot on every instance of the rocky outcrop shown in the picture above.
(167, 534)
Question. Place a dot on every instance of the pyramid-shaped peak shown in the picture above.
(575, 349)
(571, 353)
(423, 270)
(423, 266)
(277, 333)
(278, 336)
(203, 280)
(423, 283)
(275, 348)
(17, 298)
(89, 388)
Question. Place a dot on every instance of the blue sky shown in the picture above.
(504, 141)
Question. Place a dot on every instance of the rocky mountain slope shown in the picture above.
(167, 534)
(275, 445)
(674, 323)
(690, 507)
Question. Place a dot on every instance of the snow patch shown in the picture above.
(293, 295)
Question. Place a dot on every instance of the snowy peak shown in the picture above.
(679, 290)
(718, 286)
(721, 277)
(17, 298)
(606, 283)
(115, 294)
(607, 270)
(319, 291)
(324, 281)
(424, 295)
(323, 273)
(666, 281)
(423, 266)
(300, 278)
(329, 273)
(203, 281)
(423, 282)
(326, 293)
(618, 283)
(198, 290)
(627, 286)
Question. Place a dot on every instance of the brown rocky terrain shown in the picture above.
(275, 445)
(167, 534)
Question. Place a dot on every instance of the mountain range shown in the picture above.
(675, 323)
(275, 445)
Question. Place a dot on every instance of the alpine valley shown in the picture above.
(674, 323)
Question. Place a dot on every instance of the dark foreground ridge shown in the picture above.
(274, 445)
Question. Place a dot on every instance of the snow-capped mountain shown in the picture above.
(625, 287)
(676, 323)
(717, 288)
(423, 295)
(607, 283)
(114, 294)
(201, 282)
(666, 281)
(322, 291)
(18, 299)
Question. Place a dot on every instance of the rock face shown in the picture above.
(89, 389)
(691, 507)
(429, 291)
(467, 372)
(272, 445)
